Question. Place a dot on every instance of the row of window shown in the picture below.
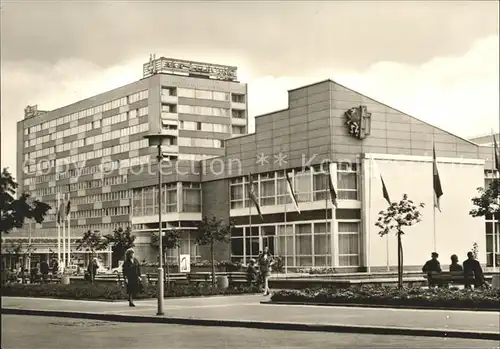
(112, 211)
(202, 94)
(302, 244)
(90, 199)
(200, 142)
(88, 127)
(207, 111)
(309, 185)
(195, 157)
(203, 126)
(145, 200)
(88, 112)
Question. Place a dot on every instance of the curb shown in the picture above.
(283, 326)
(379, 306)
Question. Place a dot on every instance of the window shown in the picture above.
(132, 114)
(348, 244)
(203, 94)
(191, 197)
(142, 111)
(238, 114)
(347, 181)
(237, 98)
(186, 92)
(236, 193)
(96, 124)
(267, 189)
(302, 183)
(320, 183)
(220, 96)
(237, 130)
(492, 242)
(303, 244)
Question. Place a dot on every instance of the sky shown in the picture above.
(437, 61)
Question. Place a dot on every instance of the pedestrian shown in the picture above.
(251, 272)
(432, 266)
(92, 269)
(454, 266)
(265, 262)
(131, 274)
(473, 268)
(44, 269)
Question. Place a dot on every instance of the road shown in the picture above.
(27, 332)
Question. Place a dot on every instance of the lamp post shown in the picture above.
(157, 140)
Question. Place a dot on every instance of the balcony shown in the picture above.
(170, 149)
(167, 115)
(169, 99)
(238, 105)
(238, 121)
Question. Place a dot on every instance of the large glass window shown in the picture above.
(236, 192)
(267, 189)
(303, 244)
(302, 181)
(348, 244)
(285, 244)
(191, 196)
(237, 243)
(322, 250)
(347, 179)
(252, 242)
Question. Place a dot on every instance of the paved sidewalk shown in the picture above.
(248, 308)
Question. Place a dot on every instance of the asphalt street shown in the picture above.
(27, 332)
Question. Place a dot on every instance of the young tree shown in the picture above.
(171, 239)
(121, 240)
(400, 214)
(210, 231)
(92, 241)
(488, 202)
(13, 212)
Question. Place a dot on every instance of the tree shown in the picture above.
(13, 212)
(210, 231)
(92, 241)
(398, 215)
(121, 240)
(171, 239)
(19, 249)
(488, 202)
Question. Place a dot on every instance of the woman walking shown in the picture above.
(265, 263)
(131, 274)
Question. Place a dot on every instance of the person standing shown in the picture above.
(432, 266)
(44, 269)
(251, 272)
(131, 274)
(473, 268)
(92, 269)
(265, 262)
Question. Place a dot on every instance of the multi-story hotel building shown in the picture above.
(324, 122)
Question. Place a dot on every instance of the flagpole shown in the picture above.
(69, 229)
(250, 211)
(435, 198)
(326, 225)
(63, 218)
(58, 229)
(494, 172)
(286, 230)
(369, 217)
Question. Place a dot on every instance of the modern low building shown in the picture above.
(324, 122)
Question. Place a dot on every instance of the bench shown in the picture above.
(446, 278)
(238, 278)
(173, 278)
(198, 278)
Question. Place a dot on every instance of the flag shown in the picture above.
(438, 190)
(497, 154)
(385, 193)
(291, 192)
(253, 197)
(68, 207)
(332, 185)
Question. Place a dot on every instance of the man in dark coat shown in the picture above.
(131, 274)
(92, 269)
(44, 269)
(432, 266)
(473, 268)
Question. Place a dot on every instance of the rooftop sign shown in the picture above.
(188, 68)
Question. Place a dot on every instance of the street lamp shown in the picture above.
(157, 140)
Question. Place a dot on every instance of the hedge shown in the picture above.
(411, 297)
(99, 291)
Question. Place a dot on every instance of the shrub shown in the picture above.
(114, 291)
(437, 297)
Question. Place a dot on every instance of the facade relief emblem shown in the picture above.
(358, 121)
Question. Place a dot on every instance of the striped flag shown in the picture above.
(291, 192)
(497, 153)
(253, 197)
(438, 190)
(385, 193)
(68, 207)
(332, 185)
(61, 212)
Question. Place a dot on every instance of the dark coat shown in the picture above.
(44, 267)
(132, 273)
(432, 265)
(472, 267)
(456, 267)
(251, 273)
(92, 269)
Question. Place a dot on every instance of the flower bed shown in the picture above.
(410, 297)
(113, 292)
